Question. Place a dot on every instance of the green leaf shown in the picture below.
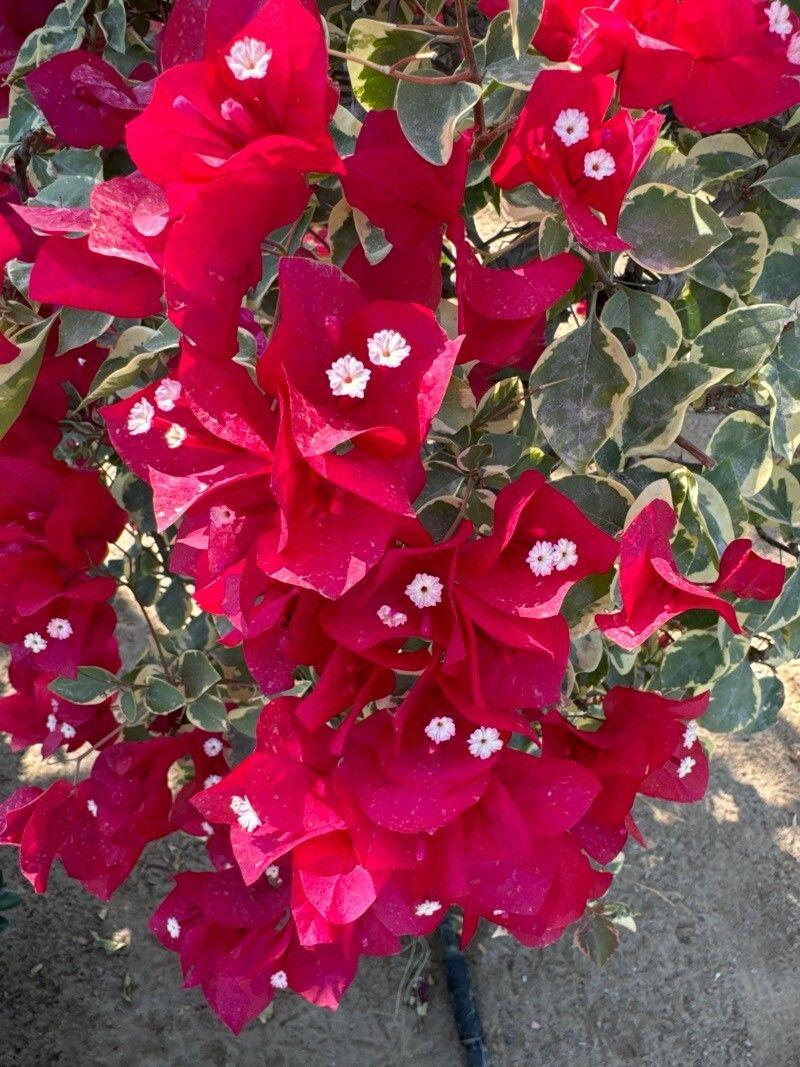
(429, 114)
(525, 15)
(602, 500)
(500, 408)
(554, 238)
(787, 607)
(372, 238)
(781, 379)
(771, 698)
(743, 438)
(721, 157)
(741, 340)
(780, 279)
(669, 230)
(112, 21)
(78, 328)
(163, 698)
(735, 267)
(783, 182)
(779, 499)
(578, 390)
(174, 605)
(692, 661)
(197, 672)
(208, 712)
(18, 376)
(651, 324)
(57, 35)
(382, 43)
(597, 937)
(655, 413)
(734, 700)
(458, 407)
(723, 479)
(89, 686)
(129, 359)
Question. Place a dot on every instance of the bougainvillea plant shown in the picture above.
(371, 353)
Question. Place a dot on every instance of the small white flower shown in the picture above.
(34, 642)
(59, 629)
(348, 377)
(428, 907)
(91, 807)
(212, 780)
(440, 728)
(565, 554)
(685, 766)
(175, 435)
(245, 814)
(279, 980)
(273, 874)
(212, 746)
(484, 742)
(690, 734)
(793, 51)
(168, 393)
(52, 723)
(540, 559)
(207, 828)
(67, 730)
(173, 928)
(599, 164)
(425, 591)
(780, 18)
(571, 126)
(248, 58)
(388, 348)
(391, 618)
(140, 417)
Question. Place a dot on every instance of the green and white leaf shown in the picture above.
(650, 323)
(670, 230)
(744, 439)
(578, 391)
(741, 340)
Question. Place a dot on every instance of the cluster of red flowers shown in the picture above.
(55, 526)
(428, 766)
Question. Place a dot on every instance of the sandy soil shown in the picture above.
(712, 976)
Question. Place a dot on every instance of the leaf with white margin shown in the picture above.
(651, 324)
(779, 499)
(780, 379)
(783, 182)
(578, 391)
(668, 230)
(655, 413)
(741, 340)
(735, 267)
(429, 114)
(743, 438)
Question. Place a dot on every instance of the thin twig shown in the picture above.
(471, 61)
(693, 450)
(418, 79)
(792, 550)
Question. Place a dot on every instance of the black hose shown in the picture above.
(465, 1009)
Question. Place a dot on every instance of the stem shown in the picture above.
(465, 1009)
(521, 240)
(792, 550)
(471, 61)
(693, 450)
(488, 137)
(418, 79)
(608, 280)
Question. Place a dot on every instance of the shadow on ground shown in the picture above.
(712, 977)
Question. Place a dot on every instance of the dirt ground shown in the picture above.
(711, 977)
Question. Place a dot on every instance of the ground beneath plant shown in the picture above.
(711, 977)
